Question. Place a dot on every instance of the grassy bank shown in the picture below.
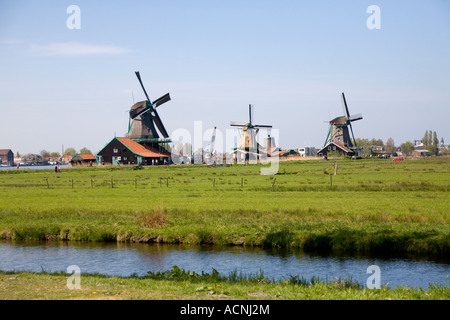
(369, 206)
(178, 284)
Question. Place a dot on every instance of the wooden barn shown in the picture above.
(126, 151)
(6, 157)
(83, 159)
(335, 147)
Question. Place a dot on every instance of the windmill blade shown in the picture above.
(142, 85)
(159, 124)
(250, 113)
(213, 139)
(355, 117)
(262, 126)
(353, 136)
(346, 113)
(238, 124)
(161, 100)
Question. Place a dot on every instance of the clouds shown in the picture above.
(75, 49)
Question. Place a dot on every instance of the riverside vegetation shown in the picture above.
(369, 206)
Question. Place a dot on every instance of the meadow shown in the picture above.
(371, 206)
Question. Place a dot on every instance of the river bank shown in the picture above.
(182, 285)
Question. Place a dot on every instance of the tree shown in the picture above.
(377, 142)
(390, 147)
(426, 140)
(365, 144)
(430, 142)
(55, 154)
(70, 152)
(85, 150)
(45, 154)
(435, 139)
(407, 147)
(17, 154)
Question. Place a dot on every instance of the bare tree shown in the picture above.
(390, 146)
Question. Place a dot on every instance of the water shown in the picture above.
(121, 259)
(48, 167)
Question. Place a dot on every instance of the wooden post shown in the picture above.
(214, 182)
(167, 182)
(48, 186)
(112, 185)
(242, 182)
(335, 168)
(274, 180)
(72, 183)
(92, 184)
(331, 181)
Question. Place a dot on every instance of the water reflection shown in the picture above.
(125, 259)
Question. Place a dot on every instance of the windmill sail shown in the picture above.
(144, 117)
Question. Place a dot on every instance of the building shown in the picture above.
(307, 152)
(127, 151)
(418, 143)
(66, 159)
(83, 159)
(335, 147)
(420, 153)
(6, 157)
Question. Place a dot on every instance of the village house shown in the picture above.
(83, 159)
(6, 157)
(127, 151)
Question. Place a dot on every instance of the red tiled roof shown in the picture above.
(4, 151)
(87, 156)
(343, 148)
(141, 150)
(280, 153)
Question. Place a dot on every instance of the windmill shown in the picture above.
(209, 155)
(249, 131)
(338, 128)
(143, 117)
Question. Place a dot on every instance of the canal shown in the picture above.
(125, 259)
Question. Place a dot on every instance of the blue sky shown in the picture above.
(290, 59)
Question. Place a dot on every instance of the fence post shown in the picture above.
(274, 180)
(72, 183)
(112, 185)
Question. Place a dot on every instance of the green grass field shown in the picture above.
(369, 206)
